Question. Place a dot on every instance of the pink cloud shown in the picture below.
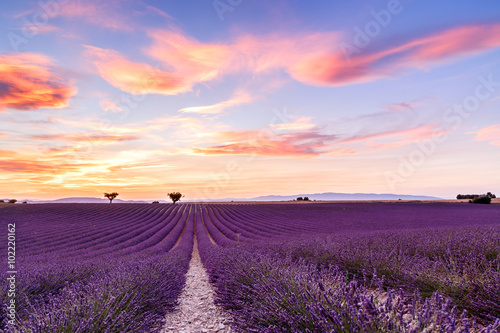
(299, 144)
(102, 13)
(136, 78)
(190, 62)
(491, 133)
(334, 69)
(312, 58)
(28, 82)
(302, 141)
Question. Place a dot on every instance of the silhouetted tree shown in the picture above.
(156, 202)
(472, 196)
(12, 201)
(306, 198)
(111, 196)
(300, 199)
(175, 196)
(2, 201)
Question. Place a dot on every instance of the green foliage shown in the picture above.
(175, 196)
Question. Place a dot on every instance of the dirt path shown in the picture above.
(197, 311)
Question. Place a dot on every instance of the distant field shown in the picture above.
(316, 266)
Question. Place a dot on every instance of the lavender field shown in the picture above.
(288, 267)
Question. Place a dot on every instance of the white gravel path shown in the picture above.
(197, 311)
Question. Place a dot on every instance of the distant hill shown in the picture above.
(345, 196)
(312, 196)
(85, 200)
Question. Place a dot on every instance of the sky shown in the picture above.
(239, 98)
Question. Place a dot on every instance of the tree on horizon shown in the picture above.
(111, 196)
(175, 196)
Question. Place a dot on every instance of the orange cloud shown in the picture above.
(11, 161)
(334, 69)
(491, 134)
(82, 138)
(27, 83)
(187, 55)
(136, 78)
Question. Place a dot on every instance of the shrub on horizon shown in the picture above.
(300, 199)
(156, 202)
(12, 201)
(482, 200)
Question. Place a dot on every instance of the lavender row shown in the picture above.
(99, 234)
(127, 287)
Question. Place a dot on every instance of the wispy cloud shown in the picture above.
(334, 69)
(299, 144)
(491, 133)
(300, 123)
(99, 13)
(28, 81)
(11, 161)
(392, 128)
(95, 138)
(118, 15)
(110, 105)
(240, 97)
(136, 78)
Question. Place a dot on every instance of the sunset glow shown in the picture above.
(270, 97)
